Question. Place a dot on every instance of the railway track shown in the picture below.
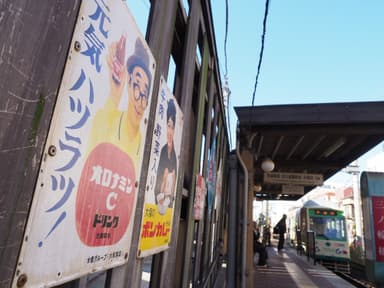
(354, 281)
(357, 276)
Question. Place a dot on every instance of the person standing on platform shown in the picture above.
(267, 235)
(259, 247)
(281, 228)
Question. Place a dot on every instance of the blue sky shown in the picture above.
(315, 51)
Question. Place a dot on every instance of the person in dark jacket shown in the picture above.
(267, 235)
(281, 227)
(259, 247)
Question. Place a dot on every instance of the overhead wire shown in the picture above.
(261, 49)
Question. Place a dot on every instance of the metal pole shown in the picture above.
(357, 204)
(245, 217)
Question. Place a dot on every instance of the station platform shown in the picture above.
(288, 269)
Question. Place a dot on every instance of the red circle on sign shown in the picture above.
(105, 196)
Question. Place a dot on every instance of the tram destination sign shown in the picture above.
(293, 178)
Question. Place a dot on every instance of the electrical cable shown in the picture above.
(261, 50)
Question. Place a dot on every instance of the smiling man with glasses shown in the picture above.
(107, 187)
(123, 127)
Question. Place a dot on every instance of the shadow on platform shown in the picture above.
(287, 269)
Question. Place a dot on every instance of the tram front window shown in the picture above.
(328, 228)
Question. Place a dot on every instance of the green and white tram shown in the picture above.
(328, 227)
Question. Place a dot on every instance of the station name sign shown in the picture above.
(293, 178)
(292, 189)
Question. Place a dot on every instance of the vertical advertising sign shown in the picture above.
(211, 176)
(82, 212)
(372, 192)
(200, 193)
(219, 187)
(156, 226)
(378, 224)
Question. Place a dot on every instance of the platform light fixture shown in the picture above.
(257, 188)
(267, 165)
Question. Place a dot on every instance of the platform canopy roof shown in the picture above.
(306, 139)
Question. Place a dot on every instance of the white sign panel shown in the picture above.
(156, 227)
(82, 213)
(293, 178)
(292, 189)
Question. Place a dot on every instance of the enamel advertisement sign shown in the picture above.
(82, 213)
(156, 227)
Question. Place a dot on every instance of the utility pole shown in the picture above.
(353, 169)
